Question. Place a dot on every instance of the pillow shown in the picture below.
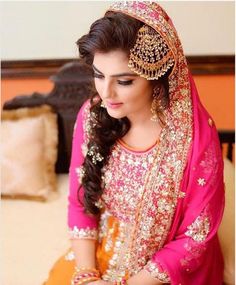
(29, 153)
(226, 230)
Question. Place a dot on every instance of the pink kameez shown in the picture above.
(161, 207)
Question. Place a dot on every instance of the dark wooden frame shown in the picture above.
(227, 138)
(199, 65)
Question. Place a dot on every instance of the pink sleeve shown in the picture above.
(81, 225)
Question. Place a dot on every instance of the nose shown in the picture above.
(108, 91)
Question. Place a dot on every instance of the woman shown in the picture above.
(146, 187)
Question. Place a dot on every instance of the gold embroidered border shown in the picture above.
(83, 233)
(157, 272)
(155, 213)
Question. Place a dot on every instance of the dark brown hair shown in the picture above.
(115, 31)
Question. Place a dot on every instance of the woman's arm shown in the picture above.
(84, 250)
(82, 227)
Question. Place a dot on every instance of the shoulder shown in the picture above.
(84, 110)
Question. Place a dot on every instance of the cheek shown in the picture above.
(139, 93)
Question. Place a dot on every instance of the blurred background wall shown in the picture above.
(42, 34)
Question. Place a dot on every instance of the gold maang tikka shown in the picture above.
(150, 57)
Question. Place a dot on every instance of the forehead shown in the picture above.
(111, 62)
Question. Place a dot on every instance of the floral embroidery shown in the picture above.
(198, 232)
(124, 175)
(83, 233)
(201, 181)
(194, 253)
(123, 191)
(200, 228)
(157, 272)
(119, 261)
(210, 164)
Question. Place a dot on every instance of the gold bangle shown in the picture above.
(77, 269)
(79, 277)
(87, 279)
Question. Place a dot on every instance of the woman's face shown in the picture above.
(124, 93)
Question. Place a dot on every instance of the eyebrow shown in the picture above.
(116, 75)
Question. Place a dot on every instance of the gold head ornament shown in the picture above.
(150, 57)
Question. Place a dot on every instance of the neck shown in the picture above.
(140, 119)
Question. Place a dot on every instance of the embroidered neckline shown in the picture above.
(134, 149)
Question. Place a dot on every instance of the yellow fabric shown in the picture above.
(61, 273)
(227, 230)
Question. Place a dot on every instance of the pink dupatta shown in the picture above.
(191, 254)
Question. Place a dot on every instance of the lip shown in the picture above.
(113, 105)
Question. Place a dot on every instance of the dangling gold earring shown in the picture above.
(102, 105)
(155, 104)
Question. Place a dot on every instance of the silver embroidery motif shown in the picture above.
(76, 233)
(157, 272)
(199, 229)
(201, 181)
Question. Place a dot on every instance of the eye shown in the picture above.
(125, 82)
(96, 75)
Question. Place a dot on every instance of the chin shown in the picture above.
(115, 115)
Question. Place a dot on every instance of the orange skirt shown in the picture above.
(63, 269)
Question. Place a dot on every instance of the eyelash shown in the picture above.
(121, 82)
